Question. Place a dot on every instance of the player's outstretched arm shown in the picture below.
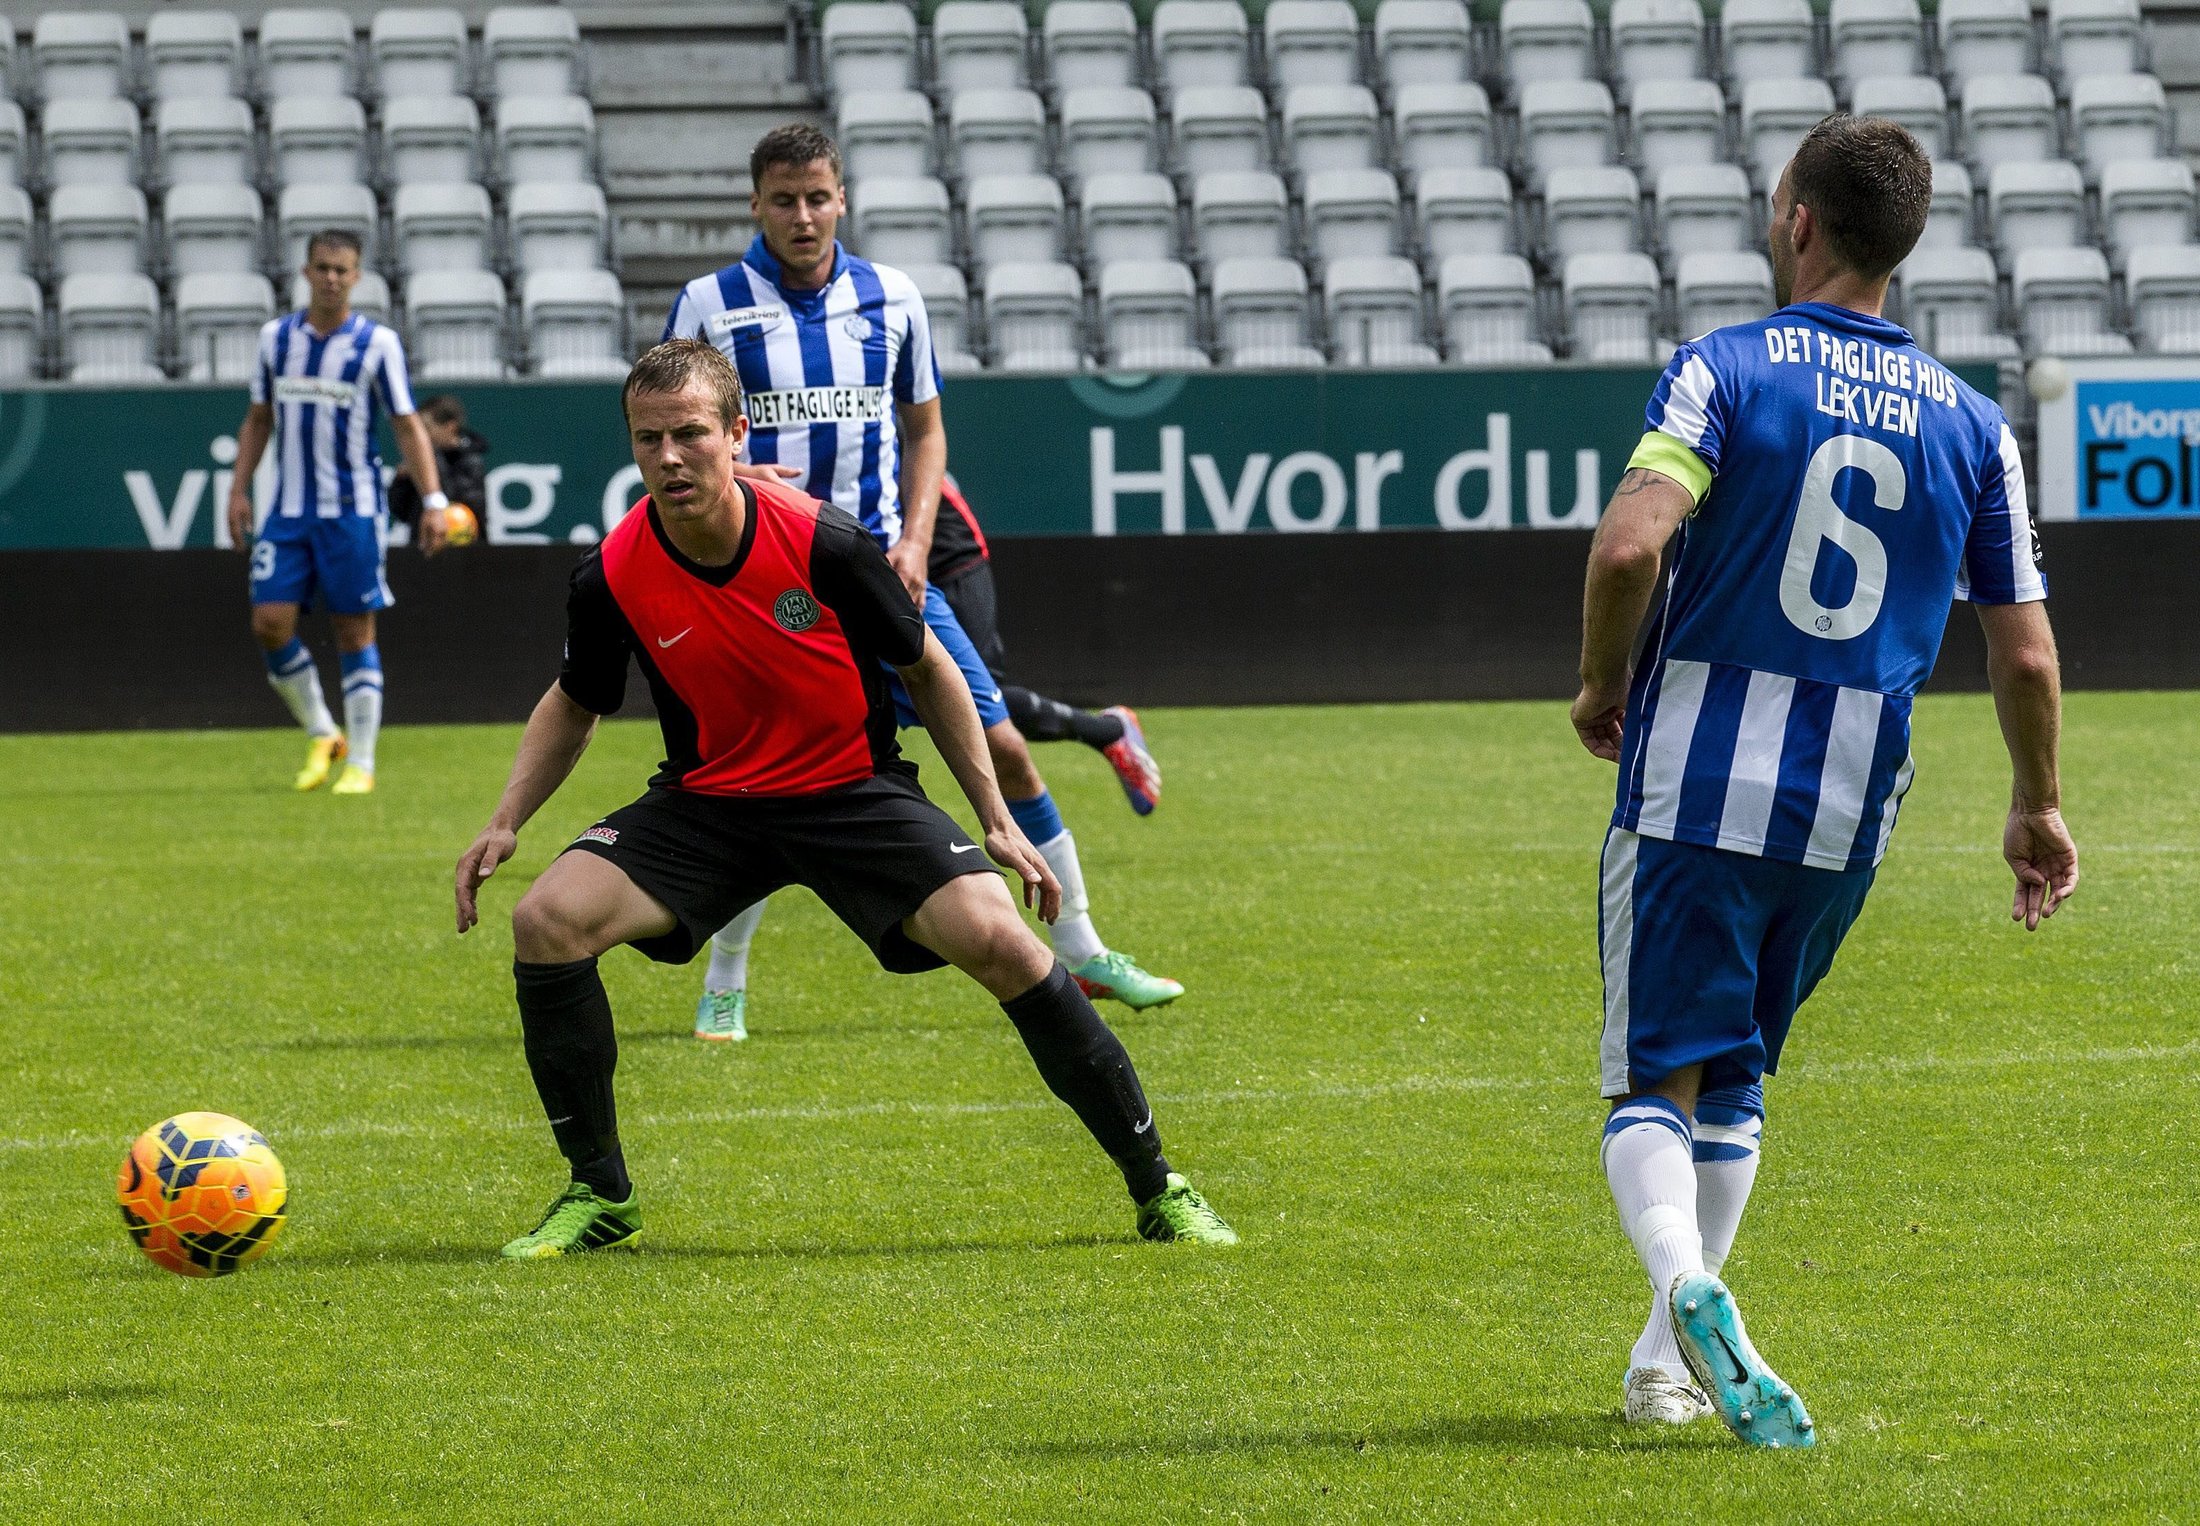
(2026, 677)
(556, 736)
(942, 701)
(1645, 509)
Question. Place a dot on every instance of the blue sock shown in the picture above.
(289, 660)
(1041, 822)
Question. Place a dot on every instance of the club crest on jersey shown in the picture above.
(762, 317)
(795, 611)
(857, 328)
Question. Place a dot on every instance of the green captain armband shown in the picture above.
(1661, 453)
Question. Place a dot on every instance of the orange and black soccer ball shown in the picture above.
(202, 1194)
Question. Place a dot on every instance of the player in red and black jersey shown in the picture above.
(765, 622)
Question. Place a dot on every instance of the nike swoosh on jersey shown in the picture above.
(665, 641)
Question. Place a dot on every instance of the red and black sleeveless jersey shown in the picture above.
(767, 671)
(957, 542)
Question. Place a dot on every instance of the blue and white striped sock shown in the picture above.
(363, 703)
(1730, 1128)
(1648, 1147)
(1075, 939)
(291, 673)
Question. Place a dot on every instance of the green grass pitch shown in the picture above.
(888, 1278)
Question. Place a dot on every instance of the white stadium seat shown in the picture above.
(1219, 127)
(1592, 211)
(2062, 295)
(1951, 301)
(1611, 305)
(1704, 208)
(2145, 203)
(110, 326)
(1422, 42)
(2095, 37)
(1913, 101)
(1466, 211)
(1441, 126)
(371, 296)
(15, 230)
(903, 221)
(1128, 217)
(1090, 43)
(79, 55)
(530, 50)
(545, 137)
(429, 139)
(1311, 42)
(2036, 206)
(21, 316)
(885, 132)
(1352, 214)
(947, 308)
(92, 141)
(1149, 315)
(1262, 314)
(1714, 291)
(317, 140)
(218, 320)
(1015, 219)
(572, 320)
(997, 132)
(418, 50)
(1489, 310)
(1330, 127)
(1108, 129)
(454, 320)
(1680, 121)
(1376, 315)
(441, 227)
(1240, 214)
(1034, 311)
(213, 229)
(1545, 40)
(980, 45)
(307, 52)
(869, 45)
(1565, 125)
(1948, 222)
(2008, 118)
(1980, 37)
(205, 140)
(1199, 42)
(195, 53)
(304, 210)
(1655, 40)
(1875, 37)
(2163, 282)
(1768, 40)
(97, 229)
(557, 225)
(12, 134)
(2118, 116)
(1775, 116)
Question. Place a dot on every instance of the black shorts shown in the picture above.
(874, 852)
(970, 594)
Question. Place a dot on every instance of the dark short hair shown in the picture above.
(671, 366)
(445, 408)
(1869, 185)
(336, 238)
(796, 144)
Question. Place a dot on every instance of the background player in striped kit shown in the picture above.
(835, 355)
(1833, 488)
(323, 377)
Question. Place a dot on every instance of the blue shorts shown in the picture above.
(340, 560)
(991, 711)
(1707, 954)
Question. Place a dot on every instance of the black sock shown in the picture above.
(1049, 720)
(565, 1020)
(1084, 1063)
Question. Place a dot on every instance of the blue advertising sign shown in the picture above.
(2122, 441)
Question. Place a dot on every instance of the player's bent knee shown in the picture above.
(1012, 764)
(548, 928)
(273, 625)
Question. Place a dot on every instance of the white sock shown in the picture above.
(1728, 1143)
(292, 674)
(363, 704)
(1648, 1160)
(729, 953)
(1073, 935)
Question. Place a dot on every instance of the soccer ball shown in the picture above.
(460, 528)
(202, 1194)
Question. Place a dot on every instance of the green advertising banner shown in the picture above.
(1208, 453)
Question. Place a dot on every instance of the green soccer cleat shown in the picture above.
(1117, 976)
(1178, 1212)
(1744, 1391)
(722, 1017)
(580, 1221)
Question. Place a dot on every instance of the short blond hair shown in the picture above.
(671, 366)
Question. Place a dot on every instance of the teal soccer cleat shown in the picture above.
(1744, 1391)
(1118, 978)
(722, 1017)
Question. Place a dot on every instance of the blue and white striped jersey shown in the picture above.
(1849, 487)
(822, 370)
(327, 391)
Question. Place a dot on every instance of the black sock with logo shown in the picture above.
(565, 1022)
(1049, 720)
(1084, 1063)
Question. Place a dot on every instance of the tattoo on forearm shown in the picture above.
(1633, 481)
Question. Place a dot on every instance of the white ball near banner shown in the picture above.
(2047, 379)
